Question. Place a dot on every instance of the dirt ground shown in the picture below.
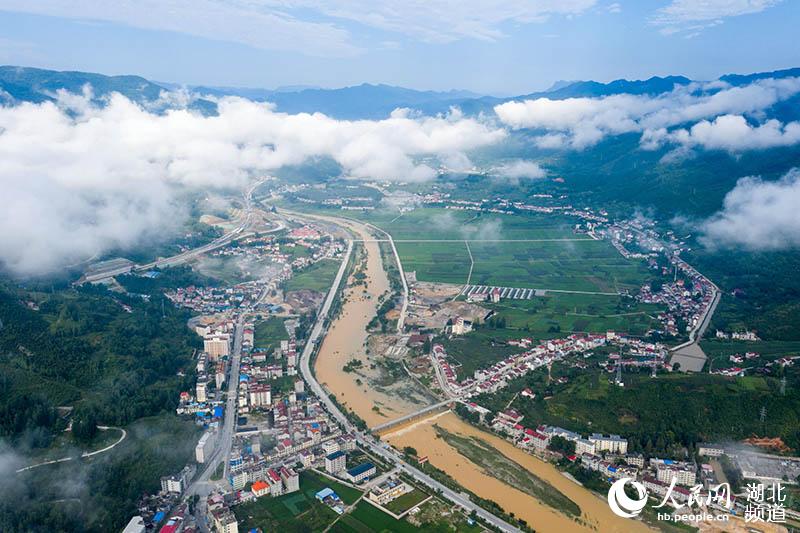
(304, 300)
(436, 315)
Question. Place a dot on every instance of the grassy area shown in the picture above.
(296, 512)
(444, 262)
(501, 467)
(269, 333)
(542, 316)
(718, 351)
(317, 277)
(406, 501)
(480, 348)
(366, 518)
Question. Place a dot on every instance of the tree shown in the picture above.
(562, 445)
(84, 424)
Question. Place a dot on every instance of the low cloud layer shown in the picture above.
(757, 215)
(732, 133)
(578, 123)
(520, 169)
(79, 179)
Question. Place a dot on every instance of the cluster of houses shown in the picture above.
(738, 335)
(606, 454)
(266, 250)
(751, 361)
(498, 375)
(258, 371)
(688, 300)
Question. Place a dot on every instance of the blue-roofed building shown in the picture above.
(331, 499)
(324, 493)
(361, 472)
(219, 411)
(158, 517)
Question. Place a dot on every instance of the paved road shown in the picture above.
(366, 440)
(404, 309)
(84, 454)
(183, 257)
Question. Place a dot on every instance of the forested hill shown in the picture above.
(82, 348)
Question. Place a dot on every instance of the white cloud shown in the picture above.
(582, 122)
(693, 16)
(518, 169)
(614, 7)
(727, 132)
(86, 179)
(259, 24)
(294, 25)
(758, 215)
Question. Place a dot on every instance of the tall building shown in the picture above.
(204, 447)
(174, 484)
(201, 391)
(136, 525)
(225, 521)
(260, 395)
(217, 345)
(609, 443)
(335, 462)
(291, 481)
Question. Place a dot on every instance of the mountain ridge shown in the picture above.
(364, 101)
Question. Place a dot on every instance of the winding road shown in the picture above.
(84, 454)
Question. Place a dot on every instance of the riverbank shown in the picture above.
(346, 340)
(595, 513)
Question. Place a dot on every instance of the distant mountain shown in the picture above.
(25, 84)
(366, 101)
(652, 86)
(357, 102)
(560, 84)
(744, 79)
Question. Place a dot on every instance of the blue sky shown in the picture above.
(489, 46)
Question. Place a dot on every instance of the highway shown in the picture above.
(366, 440)
(236, 233)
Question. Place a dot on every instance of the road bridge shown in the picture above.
(416, 415)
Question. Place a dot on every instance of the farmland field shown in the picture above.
(317, 277)
(444, 262)
(579, 265)
(557, 314)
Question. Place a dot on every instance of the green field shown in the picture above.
(444, 262)
(552, 316)
(479, 349)
(296, 512)
(559, 313)
(407, 501)
(366, 518)
(317, 277)
(269, 333)
(575, 265)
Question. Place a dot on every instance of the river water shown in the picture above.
(346, 340)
